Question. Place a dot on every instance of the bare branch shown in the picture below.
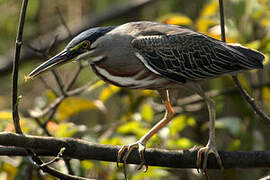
(80, 149)
(18, 45)
(59, 100)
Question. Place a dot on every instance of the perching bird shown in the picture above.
(149, 55)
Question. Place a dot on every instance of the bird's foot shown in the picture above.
(208, 149)
(125, 151)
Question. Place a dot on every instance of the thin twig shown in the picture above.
(16, 119)
(74, 78)
(63, 21)
(15, 70)
(59, 100)
(46, 85)
(244, 93)
(59, 82)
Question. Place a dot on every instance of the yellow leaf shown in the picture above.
(68, 129)
(177, 125)
(176, 19)
(112, 141)
(96, 85)
(203, 24)
(148, 92)
(74, 105)
(108, 92)
(88, 165)
(266, 96)
(181, 143)
(4, 115)
(132, 127)
(191, 121)
(210, 9)
(147, 112)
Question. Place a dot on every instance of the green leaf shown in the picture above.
(132, 127)
(181, 143)
(152, 173)
(210, 9)
(68, 129)
(179, 123)
(147, 112)
(108, 92)
(112, 141)
(74, 105)
(177, 19)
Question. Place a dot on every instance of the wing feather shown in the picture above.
(187, 56)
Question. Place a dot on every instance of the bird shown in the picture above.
(157, 56)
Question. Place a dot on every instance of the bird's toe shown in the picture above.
(126, 150)
(205, 151)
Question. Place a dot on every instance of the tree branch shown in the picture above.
(80, 149)
(18, 45)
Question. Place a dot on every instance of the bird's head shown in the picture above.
(80, 45)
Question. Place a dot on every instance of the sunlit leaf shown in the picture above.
(95, 85)
(108, 92)
(132, 127)
(11, 170)
(176, 19)
(147, 112)
(112, 141)
(152, 173)
(210, 9)
(148, 93)
(74, 105)
(87, 164)
(180, 143)
(68, 129)
(179, 123)
(7, 122)
(4, 115)
(266, 96)
(203, 24)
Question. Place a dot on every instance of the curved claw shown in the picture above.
(125, 151)
(206, 151)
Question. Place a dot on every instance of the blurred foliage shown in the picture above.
(111, 115)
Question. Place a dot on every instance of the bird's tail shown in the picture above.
(253, 58)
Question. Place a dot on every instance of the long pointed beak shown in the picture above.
(59, 59)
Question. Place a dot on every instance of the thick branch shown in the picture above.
(88, 21)
(80, 149)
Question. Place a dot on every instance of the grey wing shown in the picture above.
(189, 57)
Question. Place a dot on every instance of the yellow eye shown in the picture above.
(85, 44)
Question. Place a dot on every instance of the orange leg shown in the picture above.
(125, 150)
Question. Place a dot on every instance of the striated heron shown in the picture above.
(149, 55)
